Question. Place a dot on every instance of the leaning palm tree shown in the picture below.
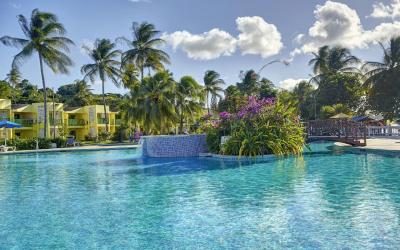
(104, 66)
(390, 63)
(143, 51)
(45, 36)
(189, 99)
(212, 87)
(382, 80)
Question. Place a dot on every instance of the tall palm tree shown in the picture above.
(45, 36)
(104, 66)
(382, 80)
(390, 63)
(212, 87)
(333, 60)
(189, 98)
(143, 51)
(154, 104)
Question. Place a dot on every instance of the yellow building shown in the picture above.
(90, 121)
(81, 122)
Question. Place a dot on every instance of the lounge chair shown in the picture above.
(6, 149)
(71, 142)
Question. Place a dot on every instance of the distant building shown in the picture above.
(81, 122)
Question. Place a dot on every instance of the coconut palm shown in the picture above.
(154, 104)
(382, 80)
(45, 36)
(14, 77)
(129, 77)
(190, 96)
(104, 66)
(333, 60)
(212, 87)
(143, 51)
(390, 63)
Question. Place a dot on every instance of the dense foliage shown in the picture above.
(157, 103)
(261, 126)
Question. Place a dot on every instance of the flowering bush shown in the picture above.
(262, 126)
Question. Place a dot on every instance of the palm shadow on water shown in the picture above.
(176, 166)
(179, 166)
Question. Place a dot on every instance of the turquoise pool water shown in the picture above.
(115, 200)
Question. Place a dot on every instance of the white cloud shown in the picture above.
(381, 10)
(290, 83)
(338, 25)
(257, 37)
(206, 46)
(16, 5)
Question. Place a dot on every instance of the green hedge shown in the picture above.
(30, 144)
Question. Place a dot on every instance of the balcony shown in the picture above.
(76, 122)
(57, 122)
(26, 123)
(102, 121)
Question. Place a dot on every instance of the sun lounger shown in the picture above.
(6, 149)
(72, 143)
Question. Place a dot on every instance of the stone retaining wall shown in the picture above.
(174, 145)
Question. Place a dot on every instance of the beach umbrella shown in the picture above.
(340, 116)
(7, 124)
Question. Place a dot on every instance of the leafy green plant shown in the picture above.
(213, 140)
(273, 129)
(30, 144)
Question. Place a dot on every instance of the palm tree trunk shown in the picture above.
(104, 104)
(181, 122)
(208, 105)
(141, 73)
(45, 94)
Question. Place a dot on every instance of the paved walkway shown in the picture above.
(82, 148)
(380, 144)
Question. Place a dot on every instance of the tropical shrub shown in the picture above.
(213, 138)
(29, 144)
(262, 126)
(60, 142)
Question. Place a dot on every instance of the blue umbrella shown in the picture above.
(7, 124)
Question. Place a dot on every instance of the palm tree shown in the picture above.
(190, 96)
(212, 83)
(44, 35)
(391, 62)
(154, 104)
(14, 77)
(143, 50)
(129, 77)
(105, 66)
(333, 60)
(83, 93)
(382, 80)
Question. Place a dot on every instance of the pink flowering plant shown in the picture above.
(261, 126)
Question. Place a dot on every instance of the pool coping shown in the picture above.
(236, 158)
(72, 149)
(382, 151)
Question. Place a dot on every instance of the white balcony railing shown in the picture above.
(384, 131)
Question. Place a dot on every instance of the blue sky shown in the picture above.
(224, 35)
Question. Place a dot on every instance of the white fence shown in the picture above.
(383, 131)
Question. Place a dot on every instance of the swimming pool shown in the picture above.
(116, 200)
